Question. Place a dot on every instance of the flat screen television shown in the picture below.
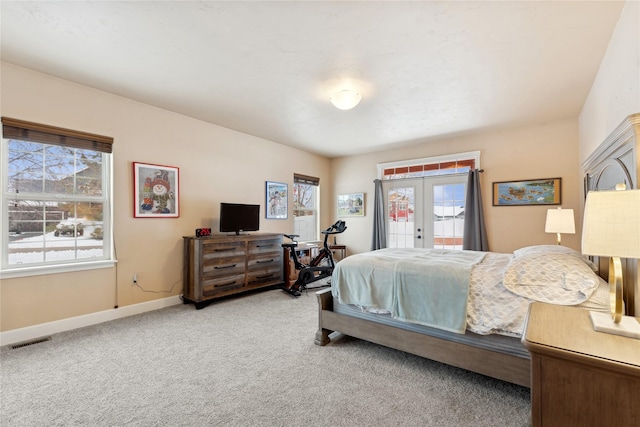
(236, 218)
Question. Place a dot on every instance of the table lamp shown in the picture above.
(611, 228)
(560, 221)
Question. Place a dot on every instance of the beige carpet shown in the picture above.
(246, 361)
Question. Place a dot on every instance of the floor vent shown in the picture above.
(32, 342)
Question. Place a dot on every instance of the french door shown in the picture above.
(425, 212)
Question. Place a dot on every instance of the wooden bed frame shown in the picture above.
(496, 364)
(620, 149)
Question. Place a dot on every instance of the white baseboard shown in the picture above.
(49, 328)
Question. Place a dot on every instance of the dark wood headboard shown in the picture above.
(617, 160)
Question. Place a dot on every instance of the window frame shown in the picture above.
(314, 182)
(49, 135)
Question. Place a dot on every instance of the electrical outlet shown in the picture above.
(135, 279)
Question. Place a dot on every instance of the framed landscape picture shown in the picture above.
(156, 191)
(545, 191)
(351, 204)
(277, 198)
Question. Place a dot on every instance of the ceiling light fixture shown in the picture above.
(345, 99)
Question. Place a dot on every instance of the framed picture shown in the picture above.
(156, 191)
(527, 192)
(277, 198)
(351, 204)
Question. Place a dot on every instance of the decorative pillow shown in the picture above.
(553, 249)
(557, 278)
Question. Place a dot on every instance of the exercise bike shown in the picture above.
(320, 267)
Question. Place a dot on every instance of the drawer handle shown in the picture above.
(224, 249)
(265, 276)
(265, 246)
(225, 266)
(264, 262)
(233, 282)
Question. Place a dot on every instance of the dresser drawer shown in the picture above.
(212, 250)
(265, 276)
(217, 267)
(266, 260)
(265, 245)
(211, 287)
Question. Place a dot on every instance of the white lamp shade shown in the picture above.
(345, 99)
(560, 221)
(611, 225)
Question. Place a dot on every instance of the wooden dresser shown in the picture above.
(223, 265)
(580, 377)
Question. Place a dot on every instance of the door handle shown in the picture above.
(418, 237)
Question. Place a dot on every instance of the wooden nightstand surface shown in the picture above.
(580, 377)
(569, 329)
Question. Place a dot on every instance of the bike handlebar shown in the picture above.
(336, 228)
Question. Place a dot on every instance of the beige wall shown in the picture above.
(211, 172)
(216, 164)
(615, 93)
(545, 151)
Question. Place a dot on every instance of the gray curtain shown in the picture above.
(475, 234)
(379, 239)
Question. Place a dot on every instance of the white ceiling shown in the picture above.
(425, 69)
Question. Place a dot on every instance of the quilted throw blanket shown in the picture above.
(424, 286)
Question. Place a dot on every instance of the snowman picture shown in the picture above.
(156, 196)
(162, 196)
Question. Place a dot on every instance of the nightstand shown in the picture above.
(580, 377)
(339, 251)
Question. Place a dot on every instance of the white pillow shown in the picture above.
(554, 249)
(558, 278)
(544, 249)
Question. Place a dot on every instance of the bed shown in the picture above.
(480, 322)
(490, 349)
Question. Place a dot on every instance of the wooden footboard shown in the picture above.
(496, 364)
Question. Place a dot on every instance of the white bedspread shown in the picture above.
(491, 307)
(428, 287)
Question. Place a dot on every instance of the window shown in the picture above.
(431, 166)
(306, 207)
(55, 199)
(425, 200)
